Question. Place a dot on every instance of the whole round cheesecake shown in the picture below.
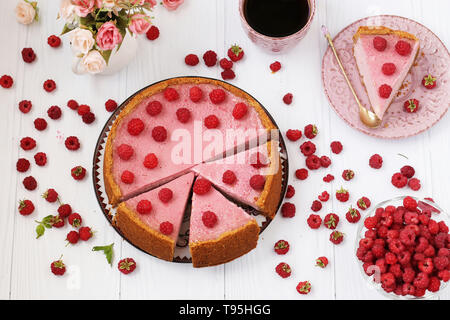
(160, 138)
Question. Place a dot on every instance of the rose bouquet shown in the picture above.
(97, 27)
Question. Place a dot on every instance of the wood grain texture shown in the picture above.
(194, 28)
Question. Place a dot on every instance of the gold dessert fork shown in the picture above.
(367, 117)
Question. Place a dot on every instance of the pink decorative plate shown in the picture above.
(434, 58)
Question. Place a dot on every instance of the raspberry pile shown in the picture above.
(84, 110)
(405, 177)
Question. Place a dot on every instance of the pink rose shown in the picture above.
(108, 36)
(152, 3)
(83, 7)
(139, 23)
(172, 4)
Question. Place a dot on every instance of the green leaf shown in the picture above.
(106, 54)
(107, 250)
(39, 230)
(66, 29)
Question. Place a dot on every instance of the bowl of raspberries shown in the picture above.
(403, 248)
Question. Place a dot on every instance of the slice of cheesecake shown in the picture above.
(384, 58)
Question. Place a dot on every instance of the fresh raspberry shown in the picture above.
(440, 262)
(40, 124)
(152, 33)
(308, 148)
(385, 91)
(331, 221)
(127, 177)
(411, 105)
(135, 126)
(166, 228)
(159, 133)
(276, 66)
(211, 122)
(54, 41)
(336, 237)
(72, 104)
(288, 210)
(314, 221)
(191, 60)
(324, 196)
(336, 147)
(281, 247)
(75, 220)
(28, 55)
(110, 105)
(209, 219)
(85, 233)
(342, 195)
(376, 161)
(201, 186)
(170, 94)
(26, 207)
(30, 183)
(353, 215)
(407, 171)
(49, 85)
(27, 143)
(348, 174)
(443, 227)
(370, 222)
(310, 131)
(225, 64)
(150, 161)
(228, 74)
(40, 158)
(217, 96)
(126, 265)
(363, 203)
(54, 112)
(407, 236)
(433, 227)
(235, 53)
(72, 143)
(88, 118)
(293, 135)
(429, 81)
(399, 180)
(321, 262)
(421, 281)
(409, 203)
(366, 243)
(125, 151)
(83, 109)
(328, 178)
(434, 284)
(444, 275)
(313, 162)
(183, 115)
(195, 94)
(426, 265)
(64, 210)
(57, 222)
(316, 206)
(290, 192)
(379, 43)
(283, 270)
(325, 162)
(240, 110)
(6, 81)
(210, 58)
(78, 172)
(304, 287)
(144, 207)
(403, 48)
(50, 195)
(287, 98)
(154, 108)
(408, 275)
(25, 106)
(165, 195)
(228, 177)
(388, 68)
(301, 174)
(257, 182)
(73, 237)
(58, 267)
(22, 165)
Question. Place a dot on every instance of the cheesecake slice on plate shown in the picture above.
(383, 57)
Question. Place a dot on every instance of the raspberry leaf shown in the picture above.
(107, 250)
(40, 229)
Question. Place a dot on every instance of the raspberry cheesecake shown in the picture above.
(169, 127)
(152, 220)
(252, 177)
(383, 57)
(220, 231)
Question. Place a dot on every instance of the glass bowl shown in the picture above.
(398, 201)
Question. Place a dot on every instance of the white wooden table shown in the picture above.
(198, 25)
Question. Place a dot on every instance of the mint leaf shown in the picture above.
(107, 250)
(39, 230)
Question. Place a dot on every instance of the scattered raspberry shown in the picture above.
(301, 174)
(411, 105)
(72, 143)
(228, 74)
(331, 221)
(170, 94)
(429, 81)
(308, 148)
(183, 115)
(304, 287)
(150, 161)
(287, 98)
(385, 91)
(414, 184)
(83, 109)
(191, 60)
(110, 105)
(210, 58)
(201, 186)
(281, 247)
(399, 180)
(50, 195)
(257, 182)
(293, 135)
(228, 177)
(30, 183)
(25, 106)
(22, 165)
(290, 192)
(57, 222)
(64, 210)
(72, 104)
(6, 81)
(288, 210)
(325, 162)
(336, 147)
(217, 96)
(85, 233)
(159, 133)
(336, 237)
(152, 33)
(75, 220)
(40, 158)
(153, 108)
(127, 177)
(49, 85)
(310, 131)
(40, 124)
(407, 171)
(58, 267)
(313, 162)
(27, 143)
(165, 195)
(348, 175)
(403, 48)
(363, 203)
(211, 122)
(342, 195)
(225, 64)
(235, 53)
(324, 196)
(28, 55)
(88, 118)
(240, 110)
(78, 172)
(26, 207)
(195, 94)
(125, 151)
(54, 41)
(353, 215)
(321, 262)
(54, 112)
(388, 69)
(314, 221)
(209, 219)
(126, 265)
(379, 43)
(316, 206)
(144, 207)
(376, 161)
(283, 270)
(166, 228)
(328, 178)
(73, 237)
(276, 66)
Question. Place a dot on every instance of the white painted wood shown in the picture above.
(196, 27)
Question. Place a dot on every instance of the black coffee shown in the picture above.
(276, 18)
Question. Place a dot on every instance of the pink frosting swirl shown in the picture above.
(172, 4)
(108, 36)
